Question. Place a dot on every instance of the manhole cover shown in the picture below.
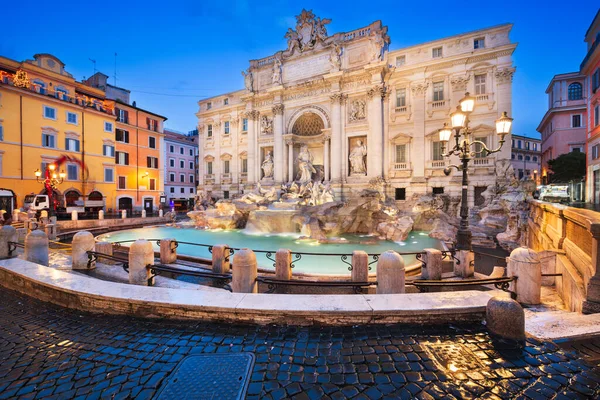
(209, 376)
(453, 357)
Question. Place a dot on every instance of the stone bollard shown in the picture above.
(244, 272)
(7, 234)
(220, 259)
(21, 234)
(32, 225)
(433, 264)
(101, 214)
(168, 252)
(82, 243)
(50, 231)
(160, 213)
(143, 213)
(36, 247)
(505, 318)
(44, 216)
(464, 267)
(53, 220)
(283, 264)
(105, 248)
(141, 254)
(390, 273)
(15, 215)
(525, 264)
(123, 214)
(74, 215)
(360, 266)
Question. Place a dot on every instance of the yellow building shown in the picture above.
(44, 114)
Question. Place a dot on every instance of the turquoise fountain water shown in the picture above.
(311, 264)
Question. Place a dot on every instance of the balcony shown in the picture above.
(226, 178)
(436, 164)
(243, 177)
(485, 99)
(401, 166)
(401, 110)
(440, 105)
(482, 162)
(209, 179)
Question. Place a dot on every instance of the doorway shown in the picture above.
(148, 206)
(125, 203)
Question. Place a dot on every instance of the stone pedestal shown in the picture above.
(505, 318)
(7, 234)
(82, 243)
(123, 214)
(360, 266)
(464, 267)
(433, 267)
(105, 248)
(15, 215)
(168, 251)
(160, 213)
(220, 259)
(244, 272)
(390, 273)
(50, 231)
(143, 213)
(36, 247)
(101, 214)
(21, 234)
(525, 264)
(283, 264)
(53, 220)
(74, 216)
(141, 254)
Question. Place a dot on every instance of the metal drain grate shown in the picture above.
(209, 376)
(453, 357)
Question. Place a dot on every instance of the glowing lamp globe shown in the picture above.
(503, 124)
(51, 167)
(38, 173)
(458, 118)
(467, 103)
(445, 133)
(62, 175)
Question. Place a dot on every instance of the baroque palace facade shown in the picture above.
(356, 112)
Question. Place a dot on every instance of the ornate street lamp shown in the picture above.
(50, 181)
(463, 149)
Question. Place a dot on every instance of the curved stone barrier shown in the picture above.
(88, 294)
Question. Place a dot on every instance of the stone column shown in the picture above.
(326, 158)
(290, 160)
(141, 254)
(278, 147)
(105, 248)
(375, 137)
(433, 264)
(418, 155)
(336, 137)
(252, 139)
(36, 247)
(82, 243)
(390, 273)
(525, 264)
(7, 234)
(101, 214)
(360, 266)
(283, 264)
(503, 97)
(220, 259)
(244, 272)
(464, 267)
(592, 300)
(168, 251)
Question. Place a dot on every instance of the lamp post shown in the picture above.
(50, 181)
(463, 149)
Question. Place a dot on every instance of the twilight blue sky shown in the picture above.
(170, 55)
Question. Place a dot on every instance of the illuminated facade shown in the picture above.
(180, 155)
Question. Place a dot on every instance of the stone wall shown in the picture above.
(107, 223)
(574, 233)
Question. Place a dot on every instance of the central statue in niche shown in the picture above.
(357, 159)
(305, 166)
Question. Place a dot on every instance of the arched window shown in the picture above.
(95, 195)
(520, 157)
(71, 197)
(575, 91)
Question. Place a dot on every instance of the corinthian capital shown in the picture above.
(252, 115)
(377, 90)
(419, 88)
(278, 109)
(505, 75)
(337, 98)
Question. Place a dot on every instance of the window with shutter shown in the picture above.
(400, 153)
(479, 147)
(437, 151)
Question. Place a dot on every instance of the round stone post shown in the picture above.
(168, 252)
(283, 264)
(36, 247)
(464, 267)
(525, 264)
(101, 214)
(123, 214)
(360, 266)
(44, 217)
(220, 259)
(105, 248)
(74, 215)
(7, 234)
(244, 272)
(50, 231)
(141, 254)
(433, 264)
(505, 318)
(390, 273)
(53, 220)
(15, 215)
(143, 213)
(21, 234)
(82, 243)
(160, 213)
(32, 225)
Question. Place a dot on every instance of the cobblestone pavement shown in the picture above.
(49, 352)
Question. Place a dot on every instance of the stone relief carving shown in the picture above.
(357, 159)
(459, 83)
(378, 43)
(335, 57)
(248, 80)
(338, 98)
(277, 71)
(419, 88)
(310, 30)
(505, 75)
(278, 109)
(358, 110)
(377, 90)
(252, 115)
(266, 125)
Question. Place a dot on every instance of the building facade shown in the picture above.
(357, 111)
(180, 155)
(590, 67)
(526, 157)
(563, 127)
(46, 114)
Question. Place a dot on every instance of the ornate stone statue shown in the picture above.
(358, 110)
(326, 195)
(267, 166)
(248, 80)
(377, 44)
(266, 124)
(357, 159)
(277, 69)
(335, 58)
(310, 30)
(293, 40)
(305, 166)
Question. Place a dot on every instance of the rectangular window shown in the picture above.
(109, 175)
(225, 194)
(152, 162)
(181, 164)
(152, 124)
(209, 168)
(400, 153)
(152, 184)
(191, 165)
(181, 178)
(480, 84)
(226, 125)
(225, 102)
(191, 152)
(108, 126)
(438, 91)
(437, 52)
(191, 178)
(122, 136)
(72, 172)
(192, 190)
(535, 147)
(171, 149)
(400, 194)
(226, 166)
(400, 61)
(244, 165)
(208, 105)
(576, 121)
(172, 177)
(1, 133)
(436, 151)
(181, 190)
(209, 130)
(122, 115)
(479, 43)
(595, 150)
(71, 118)
(519, 144)
(48, 140)
(152, 142)
(172, 162)
(49, 112)
(597, 115)
(122, 158)
(400, 97)
(71, 144)
(172, 190)
(122, 182)
(438, 190)
(479, 147)
(245, 125)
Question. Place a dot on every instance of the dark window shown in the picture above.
(152, 162)
(121, 182)
(576, 121)
(152, 142)
(225, 194)
(438, 190)
(400, 194)
(122, 135)
(575, 91)
(152, 184)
